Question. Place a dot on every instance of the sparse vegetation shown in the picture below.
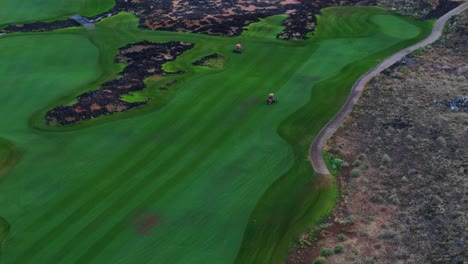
(355, 173)
(386, 158)
(319, 260)
(342, 237)
(350, 219)
(339, 249)
(326, 252)
(304, 242)
(416, 149)
(386, 235)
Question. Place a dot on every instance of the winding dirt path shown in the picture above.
(315, 151)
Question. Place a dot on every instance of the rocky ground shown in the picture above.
(214, 17)
(143, 59)
(227, 17)
(424, 9)
(404, 182)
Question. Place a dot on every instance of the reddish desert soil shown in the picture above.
(409, 202)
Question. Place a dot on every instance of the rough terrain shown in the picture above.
(404, 182)
(219, 17)
(423, 9)
(143, 59)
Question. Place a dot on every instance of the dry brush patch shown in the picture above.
(409, 201)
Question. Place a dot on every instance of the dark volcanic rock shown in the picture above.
(143, 59)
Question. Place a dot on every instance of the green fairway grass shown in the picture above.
(223, 177)
(13, 11)
(9, 156)
(4, 228)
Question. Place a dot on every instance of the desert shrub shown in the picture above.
(364, 234)
(386, 235)
(313, 232)
(357, 163)
(326, 252)
(336, 163)
(342, 237)
(350, 219)
(338, 249)
(355, 173)
(376, 199)
(362, 156)
(356, 251)
(304, 242)
(386, 158)
(319, 260)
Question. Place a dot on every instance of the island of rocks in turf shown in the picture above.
(143, 59)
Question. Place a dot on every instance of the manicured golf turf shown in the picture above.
(207, 172)
(14, 11)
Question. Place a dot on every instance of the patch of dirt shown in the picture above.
(143, 59)
(408, 203)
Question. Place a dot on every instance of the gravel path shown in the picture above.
(315, 152)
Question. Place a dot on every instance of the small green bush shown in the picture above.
(386, 158)
(326, 252)
(319, 260)
(355, 173)
(342, 237)
(350, 219)
(339, 249)
(386, 235)
(357, 163)
(336, 163)
(304, 242)
(364, 234)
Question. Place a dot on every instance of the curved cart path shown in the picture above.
(315, 152)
